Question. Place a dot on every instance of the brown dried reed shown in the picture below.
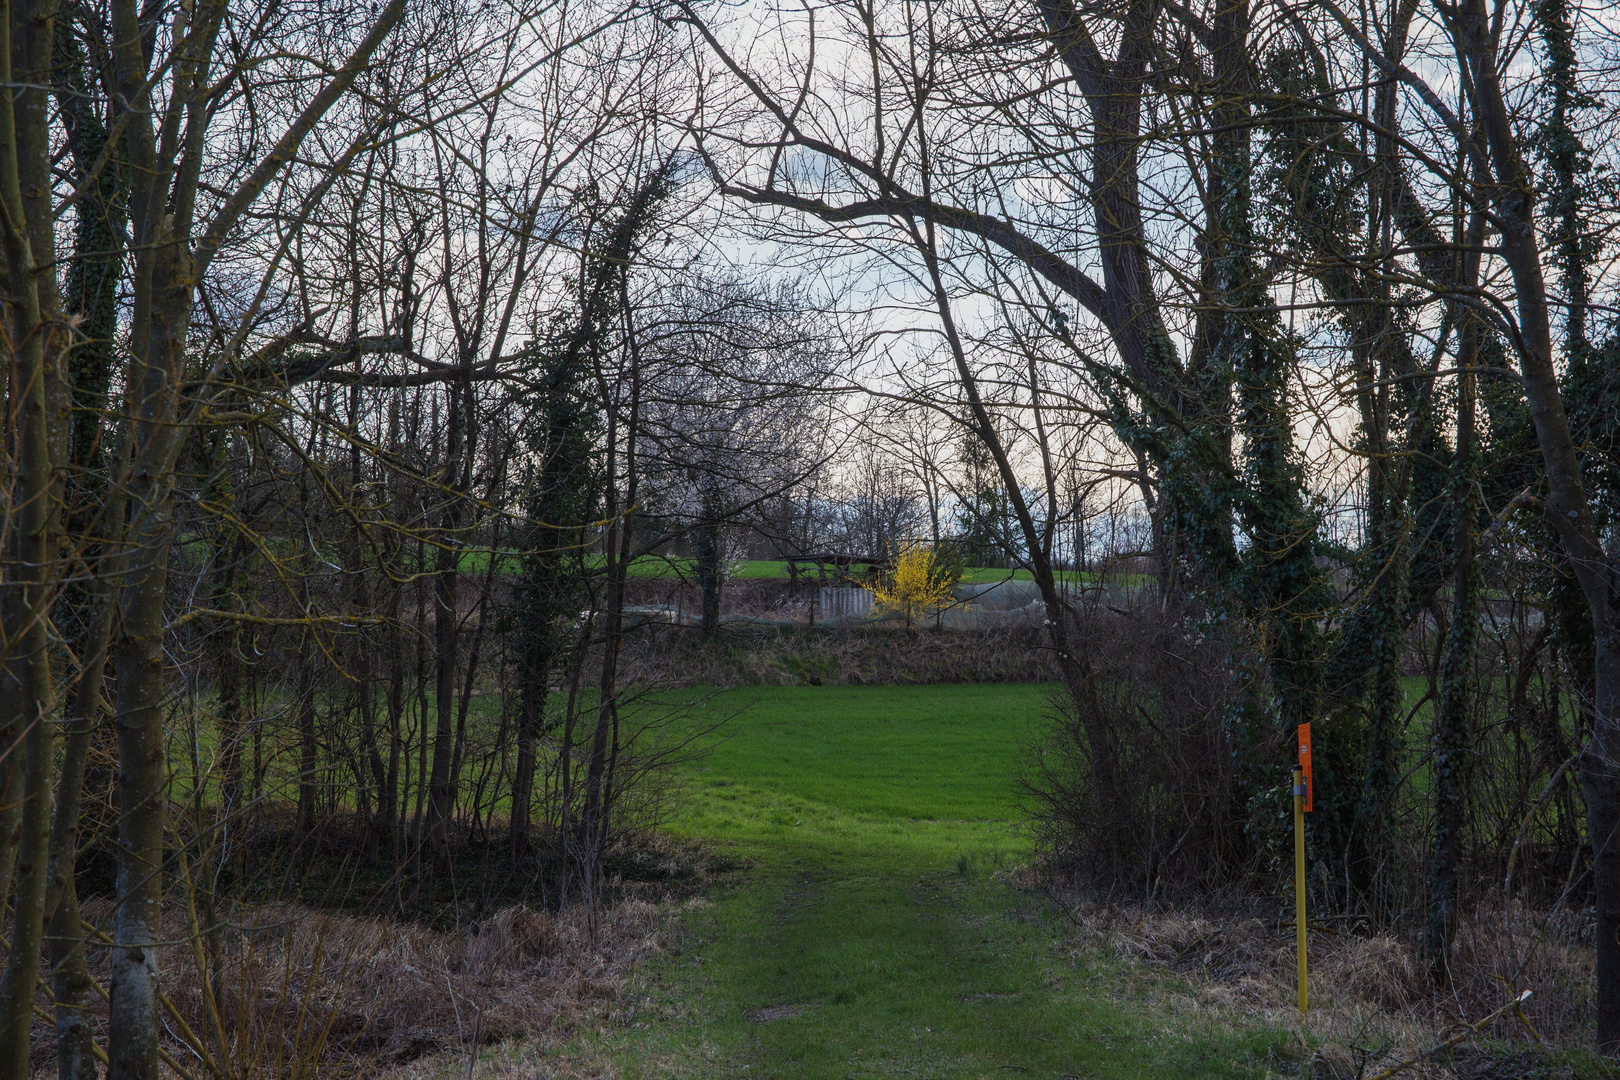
(1373, 1001)
(302, 992)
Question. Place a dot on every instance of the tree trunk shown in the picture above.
(36, 406)
(1075, 679)
(441, 796)
(531, 708)
(307, 755)
(139, 721)
(1509, 183)
(142, 772)
(708, 539)
(32, 873)
(1452, 738)
(71, 981)
(464, 701)
(389, 823)
(599, 770)
(593, 815)
(231, 729)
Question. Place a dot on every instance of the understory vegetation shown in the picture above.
(882, 656)
(884, 915)
(983, 437)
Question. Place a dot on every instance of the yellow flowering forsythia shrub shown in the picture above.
(921, 582)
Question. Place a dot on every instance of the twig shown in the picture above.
(1535, 808)
(478, 1031)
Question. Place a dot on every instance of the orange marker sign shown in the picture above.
(1305, 763)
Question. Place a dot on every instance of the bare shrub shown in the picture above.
(1133, 789)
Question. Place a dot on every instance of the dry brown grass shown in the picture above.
(308, 992)
(1373, 1000)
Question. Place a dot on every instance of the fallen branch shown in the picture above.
(1516, 1003)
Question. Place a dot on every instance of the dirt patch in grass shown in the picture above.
(773, 1012)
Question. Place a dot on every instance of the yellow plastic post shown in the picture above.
(1299, 880)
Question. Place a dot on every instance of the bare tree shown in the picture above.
(732, 407)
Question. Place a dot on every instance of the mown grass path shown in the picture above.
(871, 935)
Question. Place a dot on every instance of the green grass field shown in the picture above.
(871, 934)
(661, 566)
